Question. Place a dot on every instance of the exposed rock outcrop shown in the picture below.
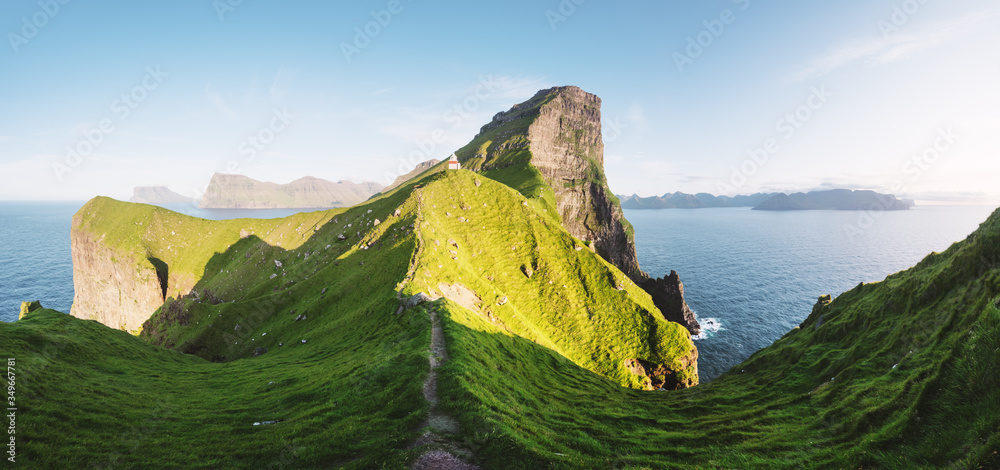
(660, 377)
(28, 307)
(240, 192)
(668, 295)
(108, 289)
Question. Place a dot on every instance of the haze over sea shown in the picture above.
(750, 276)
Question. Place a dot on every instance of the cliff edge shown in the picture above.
(553, 142)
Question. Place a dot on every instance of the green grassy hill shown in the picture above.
(897, 374)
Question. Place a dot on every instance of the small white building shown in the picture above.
(453, 163)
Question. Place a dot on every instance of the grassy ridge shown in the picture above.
(533, 280)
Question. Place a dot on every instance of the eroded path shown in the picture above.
(440, 429)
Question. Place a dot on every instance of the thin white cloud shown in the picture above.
(220, 105)
(879, 50)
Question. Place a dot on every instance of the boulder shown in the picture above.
(418, 299)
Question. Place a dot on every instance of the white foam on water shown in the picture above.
(709, 327)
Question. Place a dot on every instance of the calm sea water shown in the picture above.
(35, 259)
(750, 276)
(756, 274)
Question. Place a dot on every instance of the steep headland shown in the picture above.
(240, 192)
(550, 148)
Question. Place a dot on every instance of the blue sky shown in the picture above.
(716, 96)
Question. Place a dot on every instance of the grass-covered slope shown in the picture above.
(93, 397)
(299, 327)
(897, 374)
(524, 274)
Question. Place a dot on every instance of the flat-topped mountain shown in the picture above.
(835, 199)
(240, 192)
(158, 195)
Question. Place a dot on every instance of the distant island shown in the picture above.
(158, 195)
(679, 200)
(834, 199)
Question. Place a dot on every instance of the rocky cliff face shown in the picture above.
(240, 192)
(668, 295)
(559, 132)
(563, 136)
(109, 286)
(567, 147)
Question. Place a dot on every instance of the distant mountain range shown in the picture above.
(241, 192)
(835, 199)
(679, 200)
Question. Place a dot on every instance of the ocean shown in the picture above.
(750, 276)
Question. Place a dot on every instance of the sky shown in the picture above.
(724, 96)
